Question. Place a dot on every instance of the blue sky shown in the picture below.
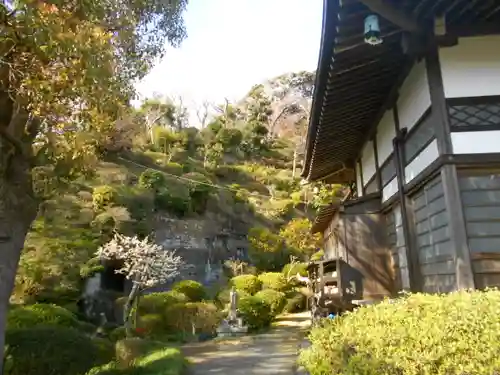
(234, 44)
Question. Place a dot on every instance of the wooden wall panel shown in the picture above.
(435, 252)
(480, 194)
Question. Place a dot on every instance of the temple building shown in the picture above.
(406, 110)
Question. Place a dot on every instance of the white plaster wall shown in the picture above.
(368, 162)
(421, 161)
(414, 96)
(359, 183)
(386, 132)
(482, 142)
(390, 189)
(471, 68)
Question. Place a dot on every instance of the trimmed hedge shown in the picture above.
(157, 303)
(157, 360)
(45, 315)
(275, 299)
(457, 333)
(193, 290)
(53, 351)
(274, 281)
(256, 312)
(247, 283)
(295, 302)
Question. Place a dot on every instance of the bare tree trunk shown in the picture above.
(127, 310)
(294, 162)
(18, 209)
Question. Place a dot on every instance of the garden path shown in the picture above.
(270, 353)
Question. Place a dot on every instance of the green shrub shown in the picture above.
(174, 168)
(119, 333)
(53, 351)
(157, 303)
(151, 179)
(295, 302)
(167, 201)
(41, 314)
(152, 324)
(273, 280)
(157, 360)
(104, 196)
(247, 283)
(275, 299)
(457, 333)
(183, 317)
(199, 191)
(193, 290)
(256, 312)
(292, 269)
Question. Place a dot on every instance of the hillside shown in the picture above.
(199, 192)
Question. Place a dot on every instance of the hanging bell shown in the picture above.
(372, 30)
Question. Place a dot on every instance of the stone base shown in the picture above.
(231, 328)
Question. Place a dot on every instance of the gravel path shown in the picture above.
(269, 353)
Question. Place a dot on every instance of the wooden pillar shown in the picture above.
(408, 226)
(458, 234)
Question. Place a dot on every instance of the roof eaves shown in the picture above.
(328, 35)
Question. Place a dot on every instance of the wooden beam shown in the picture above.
(393, 15)
(442, 129)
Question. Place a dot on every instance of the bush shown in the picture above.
(151, 179)
(53, 351)
(152, 324)
(157, 303)
(41, 314)
(295, 303)
(256, 313)
(193, 290)
(128, 350)
(247, 283)
(273, 280)
(275, 299)
(167, 201)
(118, 333)
(183, 317)
(104, 196)
(157, 360)
(292, 269)
(455, 333)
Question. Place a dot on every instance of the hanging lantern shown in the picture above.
(372, 30)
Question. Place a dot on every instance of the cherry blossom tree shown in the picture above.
(144, 263)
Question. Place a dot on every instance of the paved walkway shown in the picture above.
(269, 353)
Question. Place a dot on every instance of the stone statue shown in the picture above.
(233, 304)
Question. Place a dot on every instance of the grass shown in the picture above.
(159, 360)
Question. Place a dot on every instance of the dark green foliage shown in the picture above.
(153, 180)
(275, 299)
(150, 358)
(267, 250)
(274, 280)
(53, 351)
(246, 283)
(167, 201)
(453, 333)
(295, 302)
(158, 302)
(256, 312)
(200, 189)
(193, 290)
(41, 314)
